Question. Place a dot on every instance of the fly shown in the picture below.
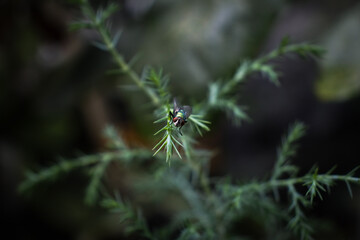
(180, 115)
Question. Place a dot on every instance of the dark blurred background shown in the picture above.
(55, 97)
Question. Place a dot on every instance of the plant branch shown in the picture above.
(98, 24)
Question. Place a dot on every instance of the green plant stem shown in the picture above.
(295, 48)
(204, 180)
(67, 166)
(124, 67)
(249, 67)
(293, 181)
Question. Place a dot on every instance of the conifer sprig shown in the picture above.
(316, 184)
(130, 218)
(98, 20)
(222, 94)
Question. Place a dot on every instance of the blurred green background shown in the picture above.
(55, 97)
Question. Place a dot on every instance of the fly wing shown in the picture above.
(176, 107)
(188, 111)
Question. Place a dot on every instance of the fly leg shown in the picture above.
(180, 130)
(182, 126)
(172, 117)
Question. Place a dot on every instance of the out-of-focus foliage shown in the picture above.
(59, 89)
(340, 78)
(207, 208)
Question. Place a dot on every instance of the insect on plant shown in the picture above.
(179, 115)
(212, 206)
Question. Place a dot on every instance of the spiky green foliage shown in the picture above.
(168, 141)
(316, 183)
(95, 165)
(130, 218)
(208, 207)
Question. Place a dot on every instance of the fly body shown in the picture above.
(180, 115)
